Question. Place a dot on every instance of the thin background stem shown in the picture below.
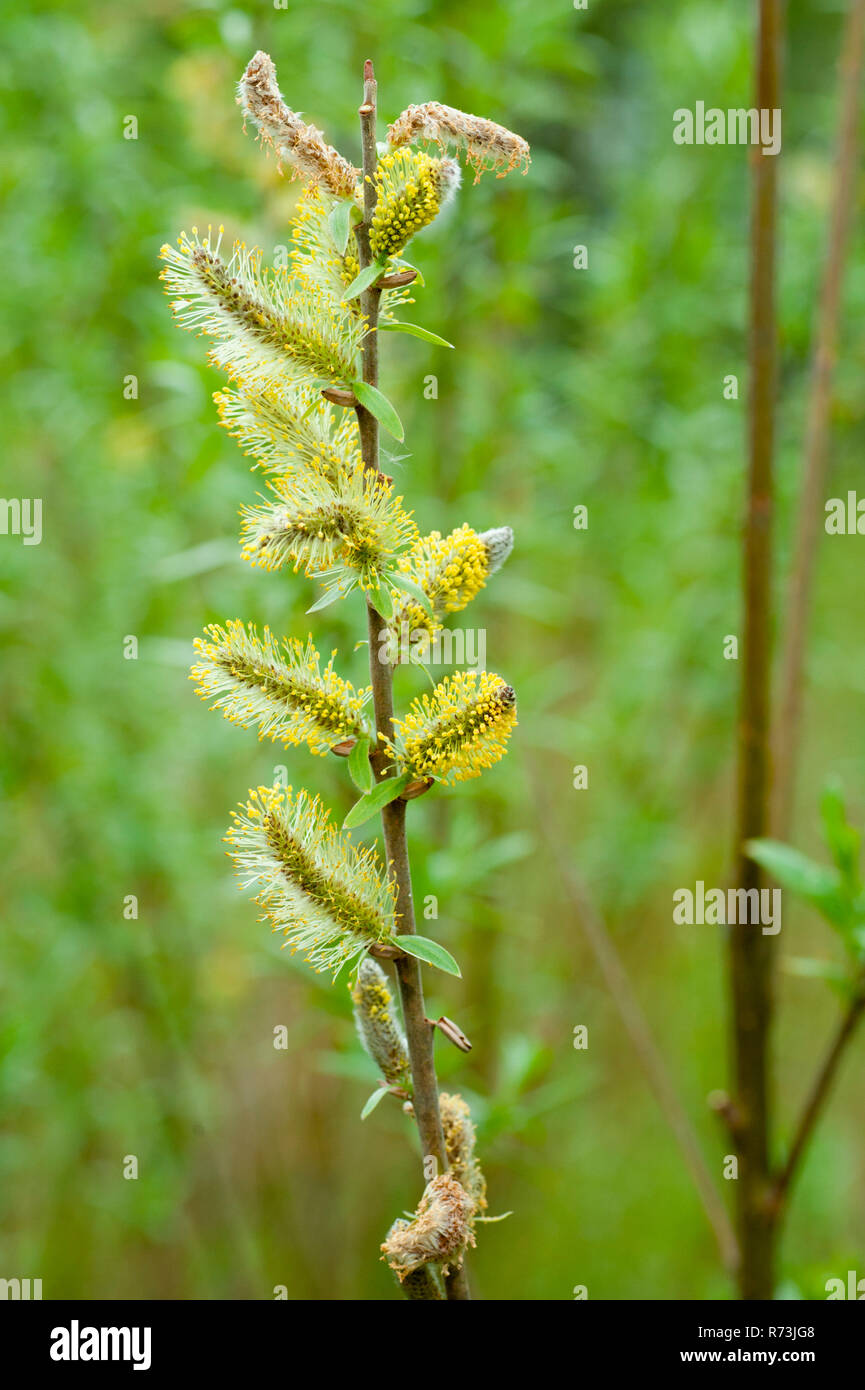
(419, 1033)
(807, 537)
(817, 435)
(815, 1103)
(651, 1059)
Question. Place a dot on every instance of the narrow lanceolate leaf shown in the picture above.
(843, 839)
(408, 586)
(814, 882)
(327, 598)
(377, 1025)
(416, 332)
(432, 952)
(343, 217)
(364, 279)
(331, 900)
(280, 688)
(381, 795)
(380, 598)
(378, 405)
(375, 1099)
(359, 767)
(792, 869)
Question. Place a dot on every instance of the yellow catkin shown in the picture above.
(278, 688)
(330, 899)
(377, 1025)
(460, 729)
(411, 189)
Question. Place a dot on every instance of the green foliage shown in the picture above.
(430, 951)
(153, 1035)
(836, 893)
(378, 405)
(372, 802)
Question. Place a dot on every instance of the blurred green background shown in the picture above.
(154, 1036)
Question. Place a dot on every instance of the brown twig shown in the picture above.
(750, 952)
(637, 1028)
(815, 1103)
(419, 1035)
(817, 432)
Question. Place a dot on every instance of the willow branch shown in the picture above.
(419, 1032)
(750, 952)
(817, 431)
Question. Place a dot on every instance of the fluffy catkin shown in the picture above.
(377, 1026)
(330, 899)
(296, 143)
(279, 688)
(487, 145)
(459, 1135)
(422, 1284)
(439, 1232)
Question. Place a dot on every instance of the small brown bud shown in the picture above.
(454, 1033)
(382, 951)
(397, 280)
(417, 788)
(337, 396)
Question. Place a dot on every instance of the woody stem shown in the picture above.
(419, 1033)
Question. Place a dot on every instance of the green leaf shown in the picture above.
(382, 602)
(842, 839)
(343, 217)
(373, 801)
(361, 282)
(416, 331)
(359, 766)
(328, 597)
(814, 882)
(375, 1099)
(378, 405)
(793, 869)
(429, 951)
(808, 968)
(402, 581)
